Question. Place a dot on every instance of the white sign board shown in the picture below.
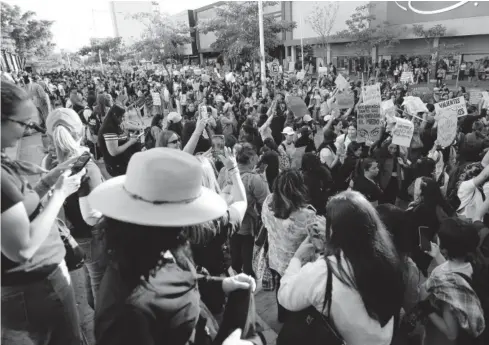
(368, 123)
(447, 127)
(230, 77)
(301, 75)
(322, 71)
(371, 94)
(407, 77)
(454, 105)
(414, 105)
(274, 69)
(341, 82)
(485, 99)
(403, 132)
(156, 98)
(197, 71)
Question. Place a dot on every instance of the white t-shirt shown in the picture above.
(470, 200)
(327, 156)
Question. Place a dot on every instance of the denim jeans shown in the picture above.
(242, 253)
(95, 264)
(41, 313)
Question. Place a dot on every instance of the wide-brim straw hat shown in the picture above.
(162, 188)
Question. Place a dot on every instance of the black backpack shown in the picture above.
(149, 140)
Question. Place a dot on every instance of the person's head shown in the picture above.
(116, 115)
(329, 137)
(370, 168)
(157, 120)
(458, 238)
(169, 139)
(461, 89)
(352, 131)
(393, 149)
(355, 149)
(425, 166)
(65, 129)
(75, 96)
(91, 99)
(289, 193)
(289, 135)
(246, 155)
(477, 126)
(17, 113)
(427, 190)
(310, 162)
(270, 143)
(356, 233)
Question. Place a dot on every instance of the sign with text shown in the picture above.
(344, 100)
(407, 77)
(297, 106)
(322, 71)
(341, 82)
(156, 98)
(414, 105)
(274, 68)
(475, 96)
(454, 105)
(371, 94)
(424, 92)
(447, 127)
(403, 132)
(368, 123)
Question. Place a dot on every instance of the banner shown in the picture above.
(344, 100)
(447, 127)
(407, 77)
(368, 123)
(455, 105)
(371, 94)
(297, 106)
(341, 82)
(403, 132)
(424, 92)
(475, 96)
(156, 98)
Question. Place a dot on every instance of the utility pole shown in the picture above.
(302, 44)
(262, 50)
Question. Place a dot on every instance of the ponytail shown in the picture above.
(66, 146)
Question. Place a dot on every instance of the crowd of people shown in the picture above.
(234, 186)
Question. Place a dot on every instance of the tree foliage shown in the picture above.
(104, 45)
(162, 39)
(363, 34)
(237, 30)
(429, 35)
(23, 34)
(322, 19)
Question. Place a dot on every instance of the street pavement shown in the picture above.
(30, 149)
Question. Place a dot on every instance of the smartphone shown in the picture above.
(140, 135)
(424, 240)
(80, 163)
(218, 144)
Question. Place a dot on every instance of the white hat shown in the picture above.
(327, 118)
(288, 131)
(307, 118)
(162, 187)
(174, 117)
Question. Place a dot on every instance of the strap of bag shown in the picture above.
(329, 288)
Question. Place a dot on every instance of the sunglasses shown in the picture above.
(175, 141)
(24, 124)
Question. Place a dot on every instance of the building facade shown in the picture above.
(187, 19)
(123, 22)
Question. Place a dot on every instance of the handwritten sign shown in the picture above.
(475, 96)
(455, 105)
(368, 123)
(274, 68)
(424, 92)
(447, 127)
(407, 77)
(341, 82)
(156, 98)
(344, 100)
(297, 106)
(414, 105)
(403, 132)
(371, 94)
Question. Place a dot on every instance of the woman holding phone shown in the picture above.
(38, 301)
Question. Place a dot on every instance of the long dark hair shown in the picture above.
(163, 137)
(432, 197)
(289, 193)
(114, 118)
(355, 231)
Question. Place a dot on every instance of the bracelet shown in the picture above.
(233, 168)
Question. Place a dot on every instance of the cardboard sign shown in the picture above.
(403, 132)
(322, 71)
(447, 127)
(341, 82)
(475, 96)
(206, 78)
(371, 94)
(407, 77)
(344, 100)
(455, 105)
(414, 105)
(297, 106)
(156, 98)
(368, 123)
(424, 92)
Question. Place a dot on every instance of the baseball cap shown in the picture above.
(307, 118)
(288, 131)
(174, 117)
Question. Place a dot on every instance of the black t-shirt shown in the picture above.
(369, 189)
(110, 132)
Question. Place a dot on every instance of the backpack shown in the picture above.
(149, 140)
(283, 159)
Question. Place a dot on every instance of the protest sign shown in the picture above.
(341, 82)
(403, 132)
(407, 77)
(344, 100)
(454, 105)
(156, 98)
(485, 99)
(197, 71)
(368, 123)
(322, 71)
(274, 68)
(371, 94)
(301, 75)
(206, 78)
(447, 127)
(297, 106)
(230, 77)
(475, 96)
(424, 92)
(414, 105)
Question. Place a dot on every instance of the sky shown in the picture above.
(78, 20)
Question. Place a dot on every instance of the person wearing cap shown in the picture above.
(150, 291)
(288, 146)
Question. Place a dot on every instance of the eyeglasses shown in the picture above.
(177, 140)
(27, 125)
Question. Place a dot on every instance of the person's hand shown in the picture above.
(435, 250)
(53, 175)
(133, 140)
(228, 159)
(239, 282)
(201, 124)
(67, 184)
(305, 252)
(235, 339)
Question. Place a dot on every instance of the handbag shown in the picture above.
(311, 327)
(75, 256)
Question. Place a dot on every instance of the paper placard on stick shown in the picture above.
(403, 132)
(156, 98)
(414, 105)
(475, 96)
(341, 82)
(407, 77)
(447, 127)
(344, 100)
(485, 98)
(454, 105)
(371, 94)
(368, 123)
(206, 78)
(297, 106)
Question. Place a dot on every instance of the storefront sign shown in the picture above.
(344, 100)
(371, 94)
(403, 132)
(368, 123)
(456, 106)
(440, 10)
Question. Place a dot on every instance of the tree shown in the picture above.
(162, 39)
(23, 34)
(237, 30)
(322, 19)
(109, 49)
(364, 35)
